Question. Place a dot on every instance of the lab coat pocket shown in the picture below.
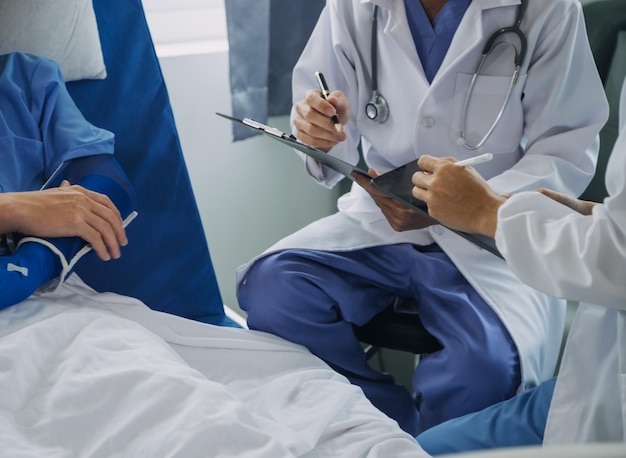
(488, 97)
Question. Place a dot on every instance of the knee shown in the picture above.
(272, 292)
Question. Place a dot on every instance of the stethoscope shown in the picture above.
(377, 108)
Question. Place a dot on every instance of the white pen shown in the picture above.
(475, 160)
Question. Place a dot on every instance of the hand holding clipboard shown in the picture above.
(329, 160)
(396, 183)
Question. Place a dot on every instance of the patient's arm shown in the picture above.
(69, 210)
(56, 225)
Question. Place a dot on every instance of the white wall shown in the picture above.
(250, 193)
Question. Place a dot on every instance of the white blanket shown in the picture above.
(101, 375)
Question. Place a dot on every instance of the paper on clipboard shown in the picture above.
(333, 162)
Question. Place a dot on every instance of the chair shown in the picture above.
(166, 239)
(396, 331)
(606, 28)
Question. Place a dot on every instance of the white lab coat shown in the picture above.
(582, 258)
(558, 79)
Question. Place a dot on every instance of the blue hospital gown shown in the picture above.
(40, 126)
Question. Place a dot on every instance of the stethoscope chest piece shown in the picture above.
(377, 108)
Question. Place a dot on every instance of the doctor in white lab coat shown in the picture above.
(544, 139)
(577, 251)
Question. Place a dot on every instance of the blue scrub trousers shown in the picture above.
(313, 298)
(516, 422)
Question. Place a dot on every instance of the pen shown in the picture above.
(475, 160)
(321, 82)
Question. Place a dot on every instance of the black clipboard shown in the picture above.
(333, 162)
(397, 184)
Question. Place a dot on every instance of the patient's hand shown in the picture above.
(581, 206)
(400, 217)
(66, 211)
(313, 122)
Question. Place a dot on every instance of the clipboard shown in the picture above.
(397, 184)
(320, 156)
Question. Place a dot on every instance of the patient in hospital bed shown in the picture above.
(44, 136)
(88, 373)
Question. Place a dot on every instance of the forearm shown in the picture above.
(562, 252)
(56, 227)
(110, 198)
(10, 214)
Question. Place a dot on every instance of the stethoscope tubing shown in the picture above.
(470, 91)
(519, 60)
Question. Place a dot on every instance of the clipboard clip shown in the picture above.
(267, 129)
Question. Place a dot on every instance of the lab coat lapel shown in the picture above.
(397, 28)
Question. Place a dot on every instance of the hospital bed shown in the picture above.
(136, 356)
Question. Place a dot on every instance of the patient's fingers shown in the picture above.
(103, 226)
(66, 211)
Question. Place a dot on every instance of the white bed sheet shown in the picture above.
(101, 375)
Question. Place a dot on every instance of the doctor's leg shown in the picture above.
(313, 297)
(516, 422)
(479, 364)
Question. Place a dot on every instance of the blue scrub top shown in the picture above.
(40, 126)
(432, 40)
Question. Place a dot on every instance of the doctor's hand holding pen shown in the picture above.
(461, 199)
(319, 120)
(400, 217)
(458, 197)
(320, 116)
